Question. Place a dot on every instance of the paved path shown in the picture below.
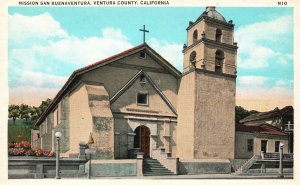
(207, 176)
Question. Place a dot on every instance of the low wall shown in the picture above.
(44, 167)
(113, 168)
(204, 166)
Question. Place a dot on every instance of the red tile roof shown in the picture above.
(262, 128)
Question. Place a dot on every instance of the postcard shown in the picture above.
(149, 90)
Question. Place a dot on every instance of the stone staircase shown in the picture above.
(243, 168)
(152, 167)
(257, 165)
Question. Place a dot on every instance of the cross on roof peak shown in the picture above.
(144, 33)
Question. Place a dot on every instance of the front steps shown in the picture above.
(254, 166)
(152, 167)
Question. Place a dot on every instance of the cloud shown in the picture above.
(263, 93)
(252, 81)
(72, 50)
(38, 79)
(170, 51)
(42, 54)
(253, 53)
(40, 49)
(284, 83)
(285, 59)
(265, 30)
(43, 26)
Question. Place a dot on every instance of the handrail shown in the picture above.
(267, 156)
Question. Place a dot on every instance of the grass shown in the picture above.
(20, 127)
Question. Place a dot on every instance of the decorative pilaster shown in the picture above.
(130, 140)
(167, 136)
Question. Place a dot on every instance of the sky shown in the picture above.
(46, 44)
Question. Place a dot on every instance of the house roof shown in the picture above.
(263, 128)
(100, 63)
(288, 110)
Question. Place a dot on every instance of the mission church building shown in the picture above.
(136, 101)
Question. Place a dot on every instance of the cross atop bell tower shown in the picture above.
(210, 44)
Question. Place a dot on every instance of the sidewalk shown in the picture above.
(207, 176)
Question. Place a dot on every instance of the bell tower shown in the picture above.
(206, 111)
(210, 44)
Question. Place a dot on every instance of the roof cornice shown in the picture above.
(210, 20)
(212, 43)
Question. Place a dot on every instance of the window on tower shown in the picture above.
(218, 35)
(195, 36)
(219, 59)
(193, 58)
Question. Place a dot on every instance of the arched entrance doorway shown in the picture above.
(142, 139)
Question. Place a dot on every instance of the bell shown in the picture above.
(91, 140)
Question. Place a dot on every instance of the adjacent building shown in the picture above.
(282, 119)
(257, 139)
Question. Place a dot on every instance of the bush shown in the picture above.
(19, 131)
(23, 148)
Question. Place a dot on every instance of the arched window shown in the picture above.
(219, 61)
(193, 58)
(218, 35)
(195, 36)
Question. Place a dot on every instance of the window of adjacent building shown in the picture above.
(219, 59)
(250, 145)
(195, 36)
(218, 35)
(277, 143)
(142, 54)
(142, 98)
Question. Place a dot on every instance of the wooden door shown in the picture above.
(142, 140)
(145, 140)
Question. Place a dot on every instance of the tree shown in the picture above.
(241, 113)
(34, 113)
(14, 112)
(25, 112)
(44, 105)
